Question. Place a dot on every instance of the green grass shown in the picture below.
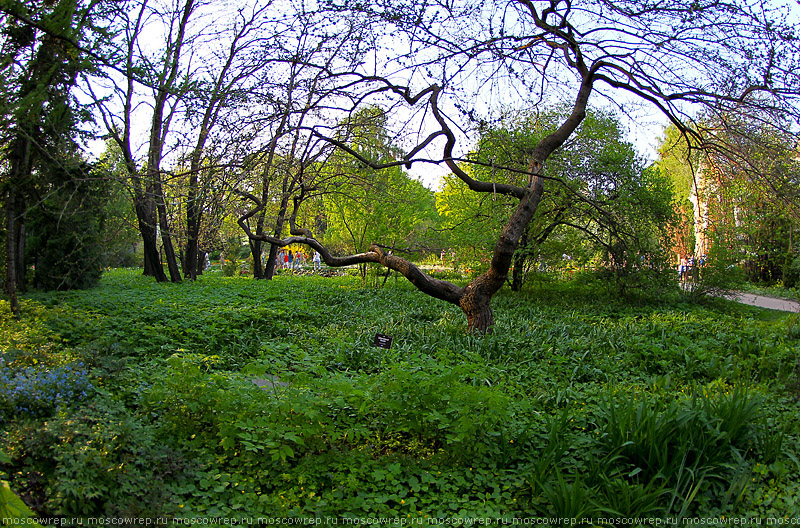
(580, 404)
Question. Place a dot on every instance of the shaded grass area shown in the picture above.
(581, 404)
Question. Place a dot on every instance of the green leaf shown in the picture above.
(12, 507)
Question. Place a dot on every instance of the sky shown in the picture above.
(643, 125)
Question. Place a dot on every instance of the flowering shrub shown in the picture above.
(37, 391)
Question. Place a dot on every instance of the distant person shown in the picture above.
(290, 260)
(317, 264)
(682, 267)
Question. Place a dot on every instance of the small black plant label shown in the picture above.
(382, 341)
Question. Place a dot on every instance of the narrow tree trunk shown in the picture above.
(200, 266)
(269, 266)
(255, 251)
(194, 216)
(518, 271)
(147, 228)
(19, 236)
(11, 245)
(191, 261)
(257, 247)
(166, 240)
(273, 250)
(21, 167)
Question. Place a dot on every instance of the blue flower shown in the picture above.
(39, 392)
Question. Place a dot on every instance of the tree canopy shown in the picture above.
(602, 207)
(269, 83)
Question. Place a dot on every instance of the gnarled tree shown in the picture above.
(686, 62)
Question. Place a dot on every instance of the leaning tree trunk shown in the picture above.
(477, 296)
(476, 300)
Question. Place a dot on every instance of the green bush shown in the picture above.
(65, 230)
(791, 272)
(718, 275)
(99, 460)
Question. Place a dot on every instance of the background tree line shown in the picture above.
(297, 124)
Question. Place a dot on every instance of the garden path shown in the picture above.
(761, 301)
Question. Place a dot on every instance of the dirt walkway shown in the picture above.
(765, 302)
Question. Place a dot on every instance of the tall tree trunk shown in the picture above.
(152, 258)
(146, 218)
(21, 167)
(194, 212)
(159, 128)
(166, 235)
(11, 246)
(257, 247)
(19, 237)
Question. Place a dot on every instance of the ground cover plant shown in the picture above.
(137, 398)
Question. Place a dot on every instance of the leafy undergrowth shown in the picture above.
(137, 398)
